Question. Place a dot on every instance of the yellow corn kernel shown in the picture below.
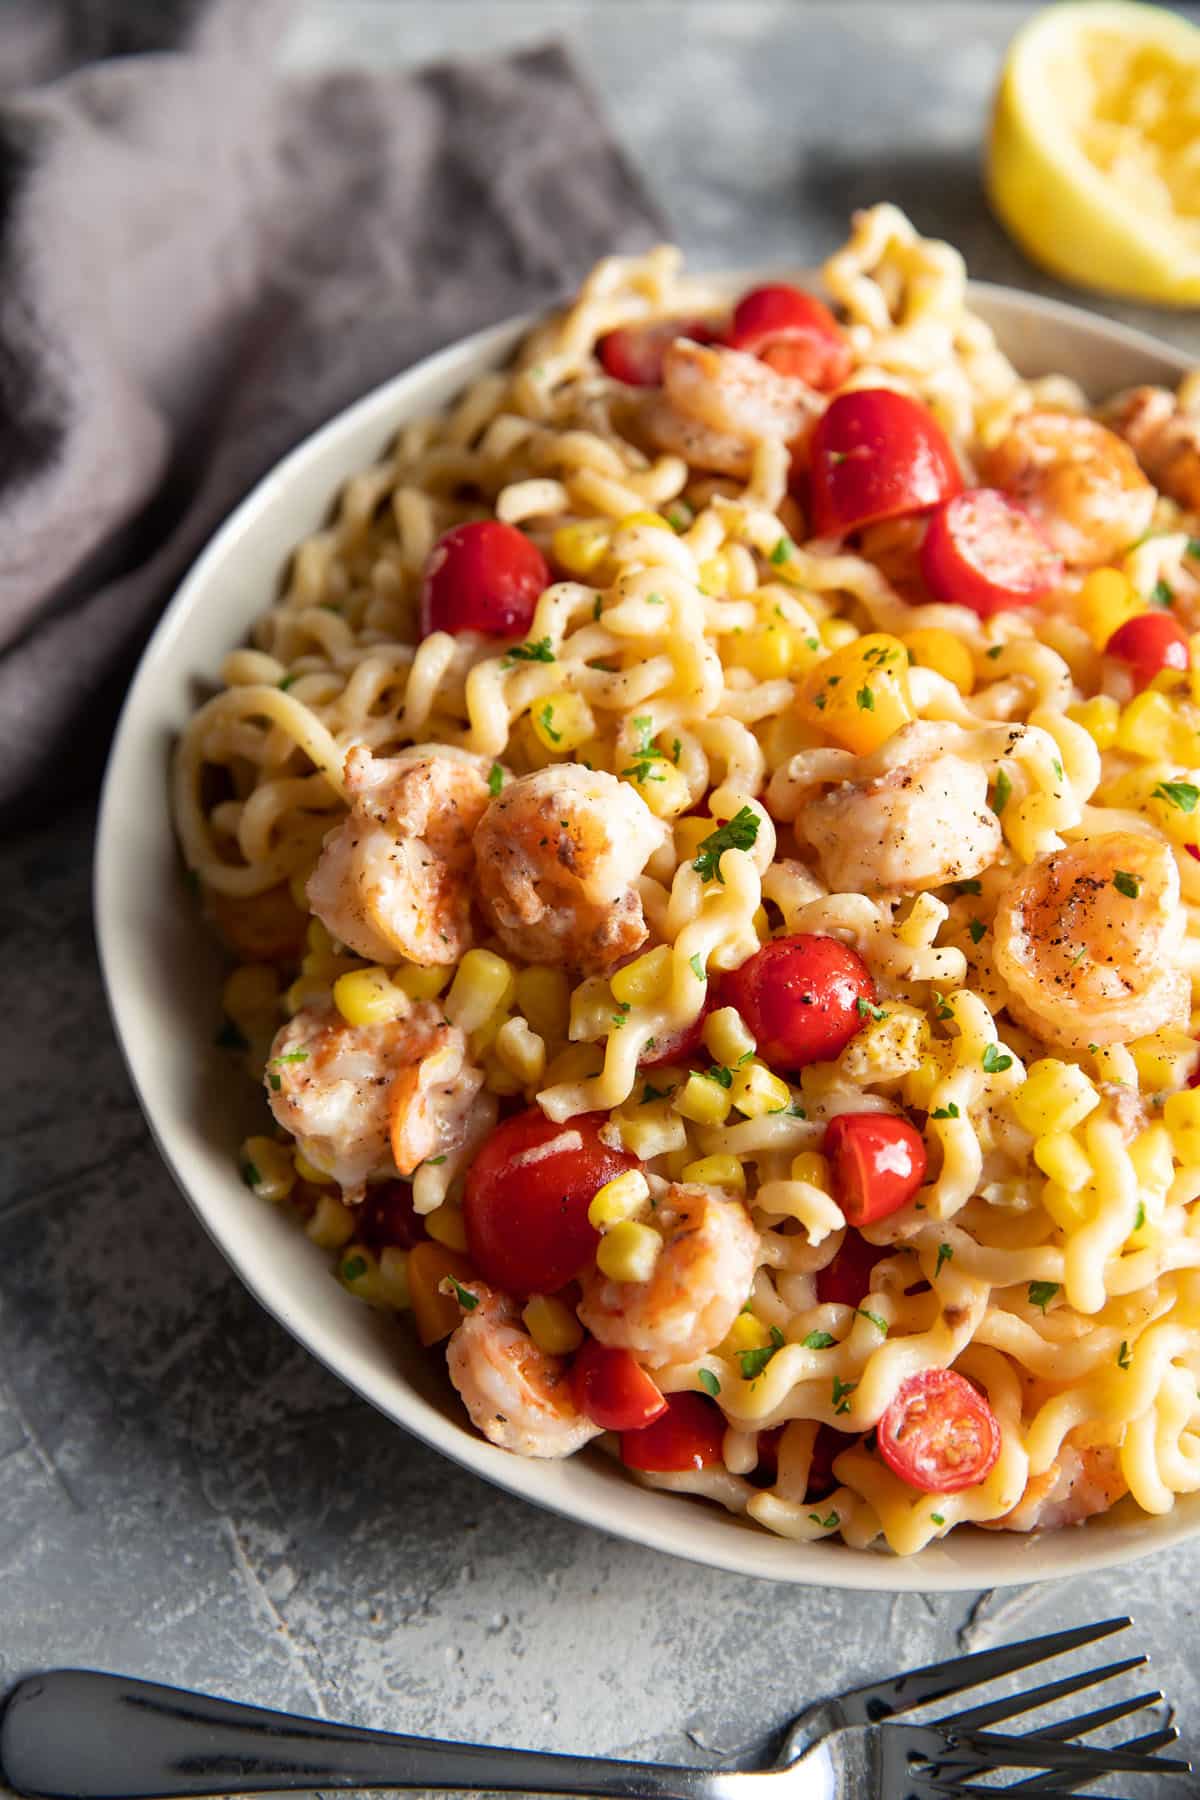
(628, 1252)
(267, 1168)
(1055, 1096)
(665, 790)
(859, 696)
(521, 1051)
(836, 634)
(703, 1101)
(726, 1038)
(944, 653)
(544, 996)
(624, 1197)
(331, 1224)
(552, 1326)
(1147, 726)
(676, 1161)
(498, 1078)
(715, 576)
(308, 1171)
(592, 1013)
(919, 1083)
(1064, 1160)
(643, 518)
(303, 991)
(1153, 1164)
(576, 1062)
(746, 1333)
(1099, 718)
(1068, 1210)
(769, 651)
(652, 1130)
(756, 1090)
(319, 940)
(250, 997)
(483, 985)
(812, 1167)
(716, 1171)
(689, 835)
(298, 887)
(1180, 826)
(1106, 600)
(393, 1276)
(761, 924)
(1166, 1059)
(582, 547)
(360, 1273)
(1181, 1116)
(369, 997)
(445, 1226)
(484, 1036)
(642, 982)
(562, 721)
(420, 982)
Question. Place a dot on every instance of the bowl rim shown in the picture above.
(735, 1547)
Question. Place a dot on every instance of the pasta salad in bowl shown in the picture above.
(706, 833)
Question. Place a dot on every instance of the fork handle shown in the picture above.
(77, 1734)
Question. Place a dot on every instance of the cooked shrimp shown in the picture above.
(363, 1100)
(1080, 481)
(557, 854)
(1088, 941)
(918, 819)
(699, 1285)
(394, 877)
(717, 403)
(1165, 438)
(1083, 1481)
(517, 1395)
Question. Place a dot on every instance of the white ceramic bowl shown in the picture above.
(162, 975)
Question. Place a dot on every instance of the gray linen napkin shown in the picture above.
(201, 261)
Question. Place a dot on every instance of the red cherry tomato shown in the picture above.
(846, 1281)
(939, 1434)
(878, 1163)
(634, 353)
(793, 331)
(984, 551)
(482, 576)
(1151, 642)
(613, 1390)
(876, 454)
(799, 996)
(688, 1435)
(525, 1212)
(677, 1046)
(387, 1216)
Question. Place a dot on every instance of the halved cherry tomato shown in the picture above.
(525, 1206)
(878, 1163)
(613, 1390)
(482, 576)
(939, 1434)
(387, 1216)
(688, 1435)
(800, 997)
(1151, 642)
(677, 1046)
(877, 454)
(792, 331)
(634, 353)
(846, 1281)
(984, 551)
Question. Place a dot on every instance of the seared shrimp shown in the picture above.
(699, 1285)
(517, 1395)
(363, 1100)
(1083, 1481)
(557, 854)
(1080, 481)
(394, 877)
(1164, 437)
(716, 404)
(920, 818)
(1088, 940)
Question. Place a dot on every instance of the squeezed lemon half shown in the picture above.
(1093, 161)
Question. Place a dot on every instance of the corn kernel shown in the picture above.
(944, 653)
(419, 982)
(726, 1038)
(1181, 1116)
(267, 1168)
(1106, 600)
(331, 1224)
(919, 1084)
(1166, 1059)
(445, 1226)
(1153, 1164)
(521, 1051)
(303, 991)
(575, 1062)
(581, 548)
(716, 1171)
(761, 924)
(1099, 718)
(756, 1090)
(628, 1252)
(393, 1276)
(592, 1013)
(308, 1171)
(703, 1101)
(812, 1167)
(483, 985)
(250, 997)
(714, 575)
(562, 721)
(552, 1326)
(1068, 1210)
(769, 651)
(1063, 1159)
(1147, 726)
(665, 790)
(689, 835)
(642, 982)
(859, 696)
(746, 1333)
(653, 1130)
(624, 1197)
(544, 996)
(360, 1273)
(369, 997)
(836, 634)
(498, 1078)
(633, 519)
(1056, 1096)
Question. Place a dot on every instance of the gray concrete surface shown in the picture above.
(183, 1492)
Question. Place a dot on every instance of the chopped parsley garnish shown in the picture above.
(945, 1254)
(287, 682)
(1058, 768)
(650, 1092)
(842, 1391)
(465, 1298)
(783, 551)
(229, 1037)
(977, 930)
(1001, 792)
(938, 1518)
(539, 651)
(819, 701)
(944, 1009)
(1193, 547)
(1127, 884)
(680, 516)
(829, 1523)
(646, 753)
(621, 1014)
(1124, 1357)
(968, 887)
(655, 600)
(949, 1111)
(431, 1162)
(995, 651)
(495, 779)
(738, 833)
(755, 1361)
(721, 1074)
(250, 1174)
(291, 1056)
(708, 1382)
(881, 1325)
(1140, 1220)
(697, 967)
(597, 608)
(275, 1083)
(546, 721)
(995, 1060)
(1181, 794)
(865, 699)
(866, 1010)
(1041, 1293)
(1162, 594)
(354, 1268)
(818, 1340)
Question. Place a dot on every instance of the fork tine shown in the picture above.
(1041, 1784)
(978, 1716)
(1034, 1752)
(1103, 1715)
(882, 1699)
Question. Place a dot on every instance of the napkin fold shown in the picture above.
(200, 261)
